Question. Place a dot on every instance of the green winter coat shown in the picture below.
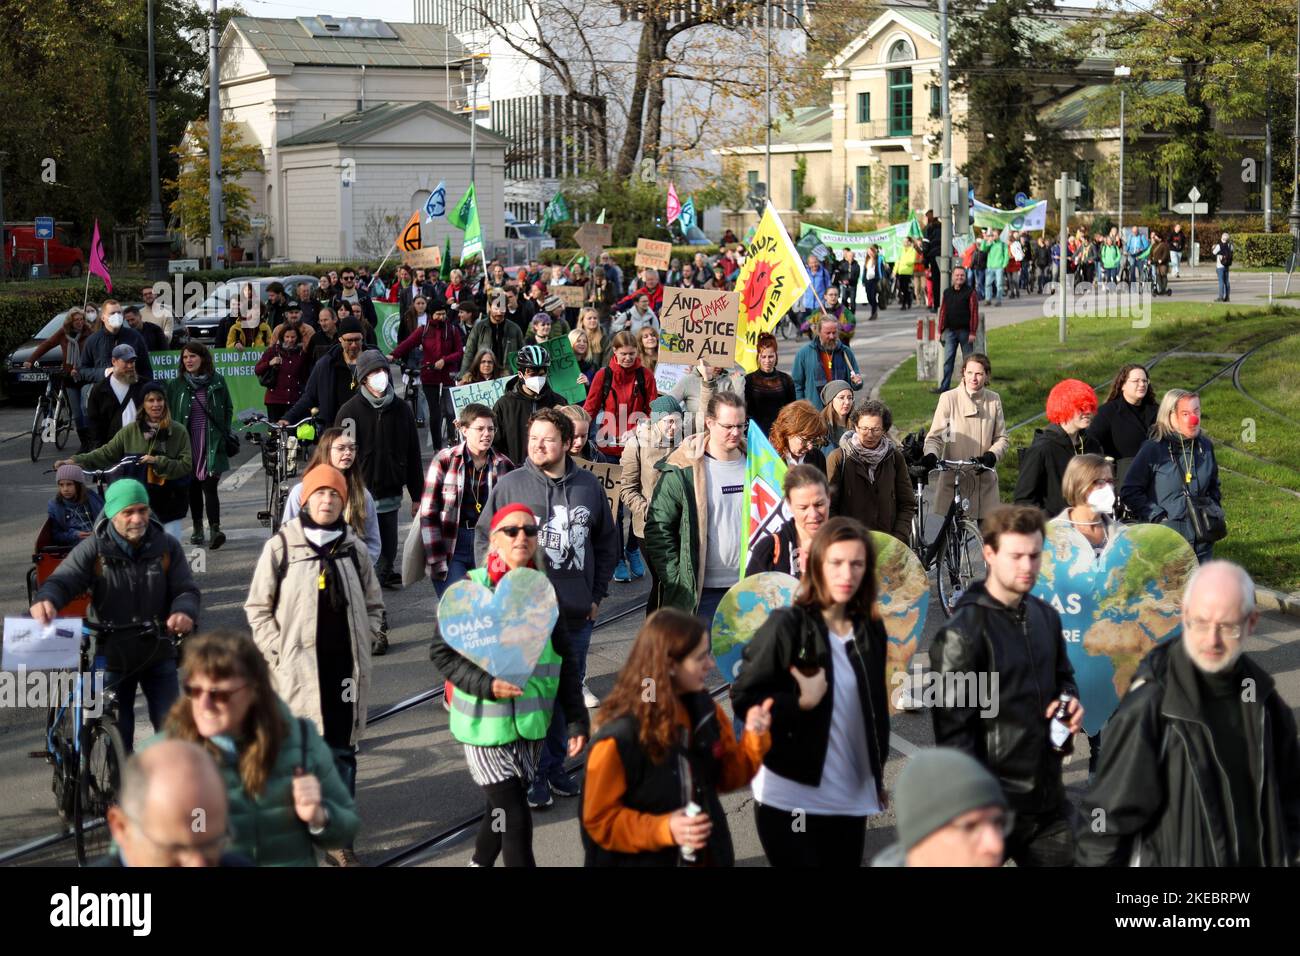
(172, 448)
(998, 255)
(180, 394)
(265, 828)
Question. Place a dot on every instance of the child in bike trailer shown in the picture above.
(74, 509)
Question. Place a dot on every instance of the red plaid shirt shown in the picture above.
(440, 503)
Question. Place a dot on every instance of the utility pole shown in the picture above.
(1121, 72)
(767, 99)
(945, 212)
(214, 145)
(155, 233)
(1067, 191)
(1268, 148)
(1294, 218)
(473, 116)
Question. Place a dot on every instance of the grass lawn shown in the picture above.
(1258, 448)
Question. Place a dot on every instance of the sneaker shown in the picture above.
(391, 581)
(635, 564)
(218, 539)
(344, 857)
(621, 573)
(539, 794)
(379, 646)
(588, 698)
(564, 784)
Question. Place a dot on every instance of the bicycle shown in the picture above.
(280, 456)
(957, 552)
(412, 389)
(53, 419)
(788, 327)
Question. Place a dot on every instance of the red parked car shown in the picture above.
(24, 250)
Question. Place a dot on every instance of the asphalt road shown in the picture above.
(412, 780)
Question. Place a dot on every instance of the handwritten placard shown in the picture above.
(484, 393)
(570, 295)
(699, 325)
(608, 475)
(652, 254)
(429, 258)
(668, 374)
(29, 646)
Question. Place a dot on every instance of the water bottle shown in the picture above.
(691, 809)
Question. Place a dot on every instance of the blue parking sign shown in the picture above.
(44, 227)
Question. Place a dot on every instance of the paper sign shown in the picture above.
(593, 237)
(503, 631)
(668, 374)
(608, 475)
(484, 393)
(699, 324)
(429, 258)
(35, 648)
(570, 295)
(651, 254)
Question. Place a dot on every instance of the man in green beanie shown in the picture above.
(951, 812)
(137, 575)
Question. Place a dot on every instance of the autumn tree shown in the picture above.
(191, 184)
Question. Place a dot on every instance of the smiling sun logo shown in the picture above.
(756, 287)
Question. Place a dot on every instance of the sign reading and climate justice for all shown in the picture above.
(699, 325)
(570, 295)
(652, 254)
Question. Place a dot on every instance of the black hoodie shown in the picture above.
(1043, 464)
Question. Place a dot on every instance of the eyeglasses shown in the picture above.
(871, 431)
(729, 428)
(1231, 631)
(529, 530)
(344, 446)
(211, 850)
(219, 697)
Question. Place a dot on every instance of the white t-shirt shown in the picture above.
(848, 786)
(726, 486)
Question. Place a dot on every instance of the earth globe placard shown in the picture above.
(502, 631)
(741, 612)
(903, 599)
(1114, 608)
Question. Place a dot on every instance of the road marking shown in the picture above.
(240, 476)
(904, 747)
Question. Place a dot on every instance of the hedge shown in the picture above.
(1264, 248)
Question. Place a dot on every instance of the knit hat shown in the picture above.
(153, 386)
(123, 493)
(936, 787)
(508, 510)
(833, 388)
(552, 303)
(323, 476)
(666, 405)
(369, 362)
(71, 473)
(350, 326)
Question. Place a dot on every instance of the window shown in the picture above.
(751, 180)
(900, 102)
(864, 107)
(936, 170)
(1083, 173)
(899, 190)
(936, 102)
(862, 188)
(901, 52)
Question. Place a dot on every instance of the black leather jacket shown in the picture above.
(1161, 787)
(1023, 648)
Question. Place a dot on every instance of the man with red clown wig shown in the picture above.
(1070, 407)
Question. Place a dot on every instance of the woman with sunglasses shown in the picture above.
(502, 726)
(285, 795)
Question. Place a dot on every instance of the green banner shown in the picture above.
(235, 366)
(562, 376)
(890, 239)
(390, 324)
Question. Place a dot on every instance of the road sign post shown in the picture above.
(1067, 191)
(1194, 195)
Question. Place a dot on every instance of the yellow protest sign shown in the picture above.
(772, 280)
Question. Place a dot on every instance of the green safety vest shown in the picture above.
(491, 723)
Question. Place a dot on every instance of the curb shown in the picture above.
(884, 376)
(1271, 600)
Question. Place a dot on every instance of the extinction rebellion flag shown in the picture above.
(765, 509)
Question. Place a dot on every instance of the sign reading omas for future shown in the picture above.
(570, 295)
(652, 254)
(503, 631)
(699, 325)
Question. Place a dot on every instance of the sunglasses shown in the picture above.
(219, 697)
(529, 530)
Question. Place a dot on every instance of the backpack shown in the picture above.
(1226, 254)
(607, 386)
(282, 564)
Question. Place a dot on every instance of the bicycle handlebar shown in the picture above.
(101, 473)
(949, 465)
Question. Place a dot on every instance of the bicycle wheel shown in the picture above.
(788, 328)
(62, 422)
(100, 774)
(38, 427)
(275, 502)
(961, 562)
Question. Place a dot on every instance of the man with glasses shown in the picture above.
(951, 812)
(527, 394)
(578, 546)
(333, 378)
(165, 790)
(96, 354)
(1201, 766)
(356, 295)
(702, 483)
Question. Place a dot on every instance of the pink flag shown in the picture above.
(98, 266)
(674, 207)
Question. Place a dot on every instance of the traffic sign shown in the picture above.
(1193, 194)
(1191, 208)
(44, 227)
(257, 222)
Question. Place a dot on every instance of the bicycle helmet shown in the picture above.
(532, 356)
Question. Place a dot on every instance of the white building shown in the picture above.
(350, 117)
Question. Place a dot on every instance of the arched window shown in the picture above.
(901, 51)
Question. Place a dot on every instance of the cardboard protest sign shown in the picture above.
(503, 631)
(484, 393)
(668, 374)
(570, 295)
(651, 254)
(608, 474)
(699, 325)
(430, 258)
(593, 238)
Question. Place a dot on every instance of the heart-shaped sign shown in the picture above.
(903, 600)
(502, 631)
(741, 612)
(1114, 608)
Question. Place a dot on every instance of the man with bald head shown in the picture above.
(1201, 766)
(171, 810)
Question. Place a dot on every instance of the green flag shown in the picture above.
(557, 210)
(465, 217)
(600, 220)
(445, 272)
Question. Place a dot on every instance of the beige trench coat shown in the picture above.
(637, 481)
(966, 427)
(285, 630)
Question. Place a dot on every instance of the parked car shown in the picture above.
(25, 250)
(30, 382)
(201, 322)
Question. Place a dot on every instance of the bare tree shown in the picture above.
(378, 228)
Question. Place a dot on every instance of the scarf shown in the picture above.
(323, 539)
(382, 401)
(498, 569)
(198, 381)
(853, 448)
(198, 426)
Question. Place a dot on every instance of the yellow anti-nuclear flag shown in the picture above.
(408, 240)
(772, 280)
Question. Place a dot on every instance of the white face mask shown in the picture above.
(378, 382)
(535, 383)
(113, 322)
(1103, 499)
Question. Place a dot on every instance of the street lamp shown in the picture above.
(1121, 72)
(156, 243)
(1294, 218)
